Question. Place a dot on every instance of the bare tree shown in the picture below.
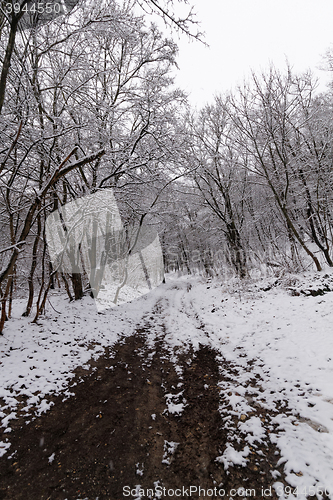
(219, 178)
(269, 120)
(94, 84)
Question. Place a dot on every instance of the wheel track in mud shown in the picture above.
(104, 435)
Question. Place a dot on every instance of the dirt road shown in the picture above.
(147, 417)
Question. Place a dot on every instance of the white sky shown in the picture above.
(245, 34)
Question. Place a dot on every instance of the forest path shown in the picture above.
(148, 413)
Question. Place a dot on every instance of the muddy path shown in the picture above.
(143, 415)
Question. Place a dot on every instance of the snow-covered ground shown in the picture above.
(39, 359)
(290, 341)
(281, 341)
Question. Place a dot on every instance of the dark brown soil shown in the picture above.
(104, 438)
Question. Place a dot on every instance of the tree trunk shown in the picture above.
(32, 269)
(77, 285)
(238, 256)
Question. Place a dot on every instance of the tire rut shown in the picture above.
(118, 429)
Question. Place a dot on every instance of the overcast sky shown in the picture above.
(245, 34)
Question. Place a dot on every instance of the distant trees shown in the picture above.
(264, 170)
(219, 178)
(87, 103)
(281, 127)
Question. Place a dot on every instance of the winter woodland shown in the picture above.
(243, 186)
(108, 173)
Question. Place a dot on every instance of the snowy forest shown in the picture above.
(166, 269)
(87, 100)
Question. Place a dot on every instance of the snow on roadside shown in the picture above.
(286, 339)
(289, 341)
